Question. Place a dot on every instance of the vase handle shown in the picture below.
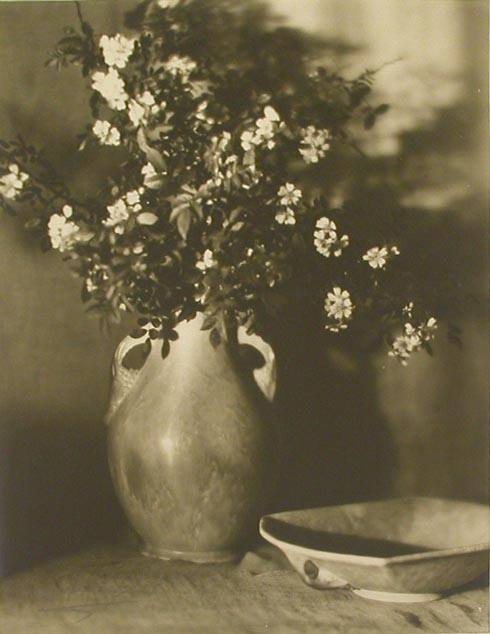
(266, 375)
(123, 378)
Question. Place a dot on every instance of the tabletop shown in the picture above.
(115, 589)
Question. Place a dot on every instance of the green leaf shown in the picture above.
(384, 107)
(33, 223)
(165, 348)
(235, 214)
(87, 29)
(85, 295)
(250, 356)
(359, 94)
(70, 41)
(155, 182)
(428, 348)
(208, 322)
(197, 209)
(153, 155)
(184, 222)
(146, 218)
(137, 333)
(249, 158)
(136, 357)
(215, 337)
(369, 121)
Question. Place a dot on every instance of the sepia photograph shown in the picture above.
(244, 331)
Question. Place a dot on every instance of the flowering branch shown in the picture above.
(211, 211)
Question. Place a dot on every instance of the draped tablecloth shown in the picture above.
(115, 589)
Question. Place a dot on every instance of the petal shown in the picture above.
(147, 218)
(271, 114)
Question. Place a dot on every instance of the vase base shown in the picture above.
(208, 557)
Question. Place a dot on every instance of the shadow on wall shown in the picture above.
(335, 443)
(56, 491)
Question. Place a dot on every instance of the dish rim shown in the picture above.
(366, 560)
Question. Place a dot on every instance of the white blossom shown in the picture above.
(136, 112)
(201, 114)
(248, 140)
(106, 134)
(327, 225)
(324, 242)
(126, 206)
(223, 141)
(133, 200)
(148, 171)
(95, 276)
(430, 326)
(408, 308)
(289, 194)
(412, 339)
(340, 245)
(326, 239)
(407, 343)
(207, 261)
(63, 233)
(267, 127)
(111, 86)
(180, 65)
(377, 257)
(141, 107)
(121, 210)
(314, 144)
(271, 115)
(147, 99)
(116, 50)
(13, 182)
(265, 130)
(198, 88)
(118, 214)
(151, 178)
(221, 167)
(339, 307)
(90, 285)
(402, 348)
(286, 217)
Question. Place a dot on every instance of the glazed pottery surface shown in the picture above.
(402, 550)
(190, 445)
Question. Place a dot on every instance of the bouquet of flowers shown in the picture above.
(210, 207)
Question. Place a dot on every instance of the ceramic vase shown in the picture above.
(191, 444)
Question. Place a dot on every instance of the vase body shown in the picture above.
(190, 446)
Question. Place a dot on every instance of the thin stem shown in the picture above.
(356, 148)
(79, 13)
(56, 192)
(231, 329)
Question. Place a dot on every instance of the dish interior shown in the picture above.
(384, 529)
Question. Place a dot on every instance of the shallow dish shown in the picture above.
(405, 549)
